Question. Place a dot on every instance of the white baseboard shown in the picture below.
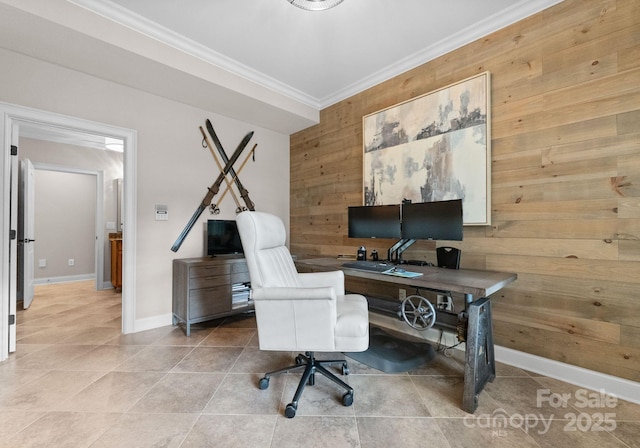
(149, 323)
(70, 279)
(589, 379)
(64, 279)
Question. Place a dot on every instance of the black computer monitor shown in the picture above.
(374, 221)
(440, 220)
(222, 237)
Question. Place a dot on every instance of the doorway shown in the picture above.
(61, 158)
(14, 116)
(66, 206)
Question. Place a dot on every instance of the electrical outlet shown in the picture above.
(72, 262)
(444, 303)
(402, 294)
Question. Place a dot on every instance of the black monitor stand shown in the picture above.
(394, 254)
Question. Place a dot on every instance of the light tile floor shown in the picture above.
(76, 381)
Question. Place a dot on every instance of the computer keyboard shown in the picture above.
(372, 266)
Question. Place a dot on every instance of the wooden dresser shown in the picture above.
(209, 288)
(116, 260)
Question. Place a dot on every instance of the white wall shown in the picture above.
(65, 223)
(172, 167)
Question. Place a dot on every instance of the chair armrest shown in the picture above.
(295, 318)
(333, 279)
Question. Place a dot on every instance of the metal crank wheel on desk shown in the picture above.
(418, 312)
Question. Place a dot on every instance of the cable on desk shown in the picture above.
(446, 350)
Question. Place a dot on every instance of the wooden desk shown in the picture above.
(475, 285)
(470, 282)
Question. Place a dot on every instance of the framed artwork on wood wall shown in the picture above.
(431, 148)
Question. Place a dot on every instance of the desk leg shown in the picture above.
(480, 366)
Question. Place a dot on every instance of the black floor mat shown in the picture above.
(391, 354)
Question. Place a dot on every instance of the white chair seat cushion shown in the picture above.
(352, 324)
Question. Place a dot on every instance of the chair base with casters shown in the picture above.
(310, 366)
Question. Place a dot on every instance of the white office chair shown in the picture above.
(307, 312)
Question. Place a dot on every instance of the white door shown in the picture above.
(28, 231)
(13, 244)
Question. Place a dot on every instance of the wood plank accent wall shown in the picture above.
(565, 179)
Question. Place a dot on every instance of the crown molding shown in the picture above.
(138, 23)
(513, 14)
(115, 12)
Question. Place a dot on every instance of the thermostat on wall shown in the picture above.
(162, 213)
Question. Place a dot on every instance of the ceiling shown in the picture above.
(261, 61)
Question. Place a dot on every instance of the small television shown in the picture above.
(223, 238)
(440, 220)
(374, 221)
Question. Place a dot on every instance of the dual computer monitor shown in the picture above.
(440, 220)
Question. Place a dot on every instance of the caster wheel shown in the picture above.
(263, 383)
(347, 399)
(299, 360)
(290, 411)
(345, 369)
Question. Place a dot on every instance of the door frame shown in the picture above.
(13, 114)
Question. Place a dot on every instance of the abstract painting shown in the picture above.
(431, 148)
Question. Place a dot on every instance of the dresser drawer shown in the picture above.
(209, 301)
(239, 267)
(240, 277)
(209, 270)
(208, 282)
(240, 273)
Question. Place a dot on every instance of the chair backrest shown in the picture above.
(263, 237)
(448, 257)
